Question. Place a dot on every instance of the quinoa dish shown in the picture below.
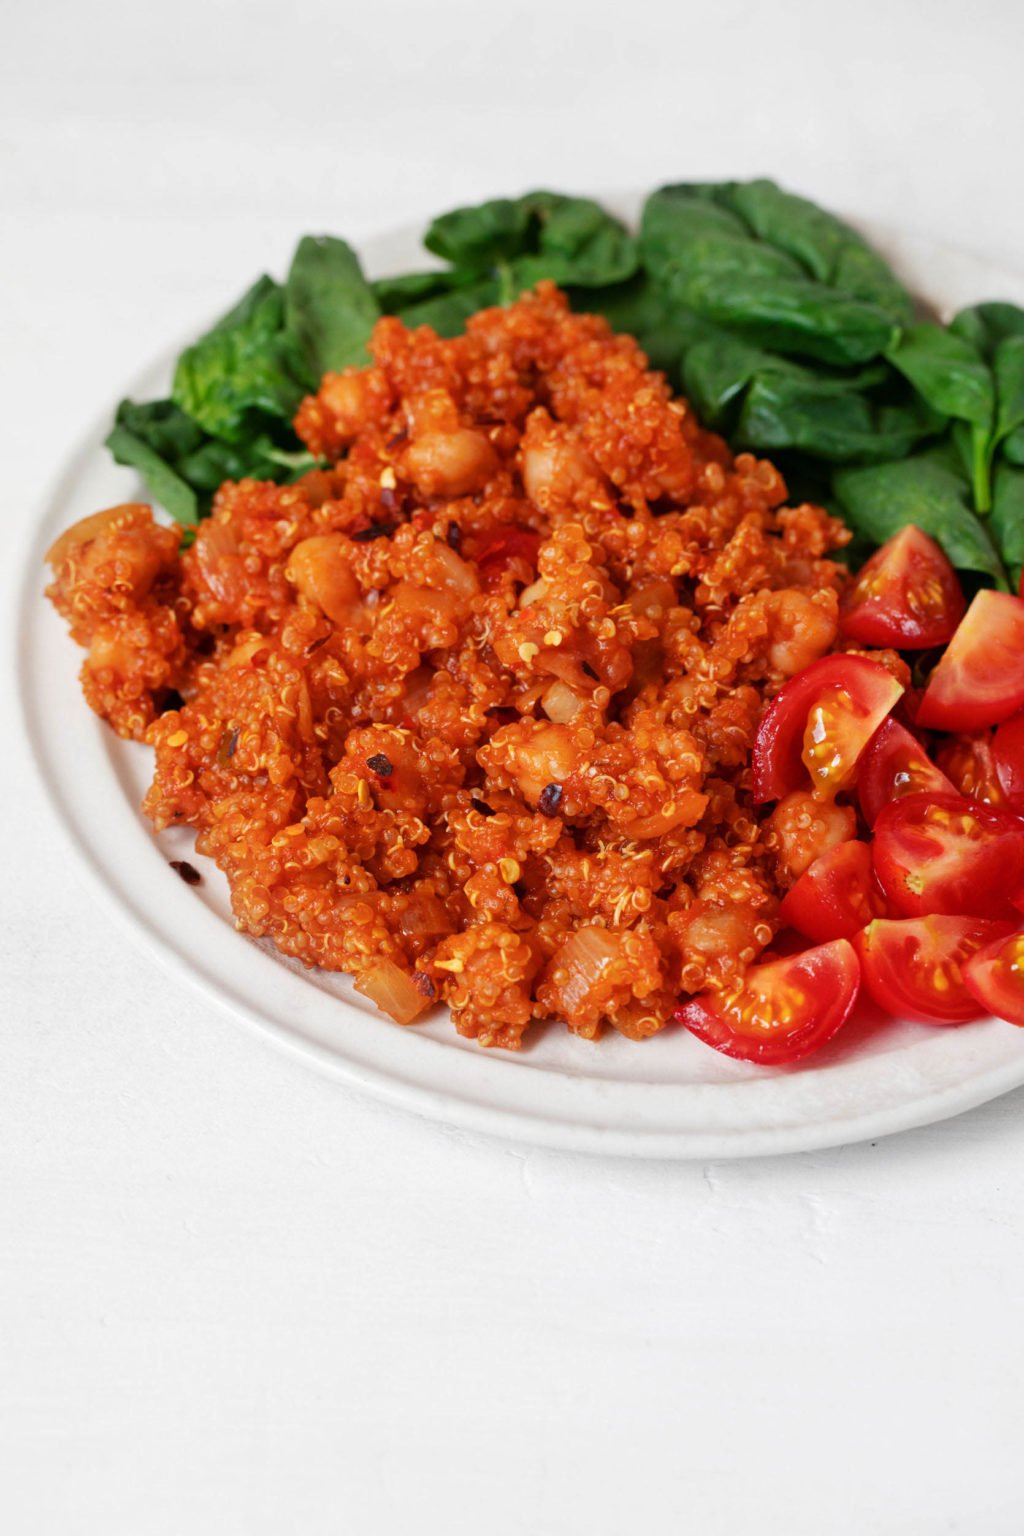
(483, 709)
(470, 714)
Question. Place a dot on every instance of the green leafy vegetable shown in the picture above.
(329, 307)
(925, 490)
(1007, 520)
(246, 371)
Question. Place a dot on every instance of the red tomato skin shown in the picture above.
(979, 681)
(1008, 758)
(907, 596)
(888, 949)
(895, 764)
(836, 897)
(830, 975)
(777, 764)
(994, 976)
(918, 838)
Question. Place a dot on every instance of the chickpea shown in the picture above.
(547, 756)
(319, 568)
(450, 463)
(801, 629)
(802, 828)
(556, 469)
(346, 397)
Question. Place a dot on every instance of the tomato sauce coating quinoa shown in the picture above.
(469, 714)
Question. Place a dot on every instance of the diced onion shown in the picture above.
(560, 703)
(586, 955)
(393, 990)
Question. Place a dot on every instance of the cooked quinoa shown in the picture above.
(469, 714)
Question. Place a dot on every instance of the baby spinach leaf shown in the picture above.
(986, 325)
(947, 371)
(1008, 367)
(788, 314)
(826, 248)
(1007, 520)
(245, 369)
(482, 235)
(576, 242)
(394, 294)
(842, 425)
(1013, 446)
(674, 217)
(447, 313)
(926, 490)
(164, 484)
(329, 307)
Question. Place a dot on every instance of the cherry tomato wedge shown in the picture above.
(969, 763)
(895, 764)
(783, 1010)
(497, 548)
(941, 853)
(1008, 758)
(836, 896)
(819, 723)
(913, 967)
(995, 977)
(979, 680)
(907, 595)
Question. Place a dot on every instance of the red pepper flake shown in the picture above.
(550, 799)
(423, 983)
(380, 765)
(187, 871)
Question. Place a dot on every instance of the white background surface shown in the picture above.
(236, 1299)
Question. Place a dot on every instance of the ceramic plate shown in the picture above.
(667, 1097)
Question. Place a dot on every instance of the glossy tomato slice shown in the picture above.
(1008, 758)
(836, 897)
(969, 763)
(907, 595)
(819, 724)
(913, 968)
(942, 853)
(895, 764)
(783, 1010)
(995, 977)
(979, 680)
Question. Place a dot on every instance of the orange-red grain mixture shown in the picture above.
(469, 714)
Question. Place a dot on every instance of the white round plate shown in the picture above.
(667, 1097)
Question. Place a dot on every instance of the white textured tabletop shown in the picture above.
(236, 1298)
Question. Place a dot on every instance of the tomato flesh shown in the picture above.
(819, 723)
(783, 1010)
(895, 764)
(1008, 759)
(836, 897)
(498, 547)
(907, 595)
(913, 967)
(945, 854)
(995, 978)
(979, 680)
(969, 763)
